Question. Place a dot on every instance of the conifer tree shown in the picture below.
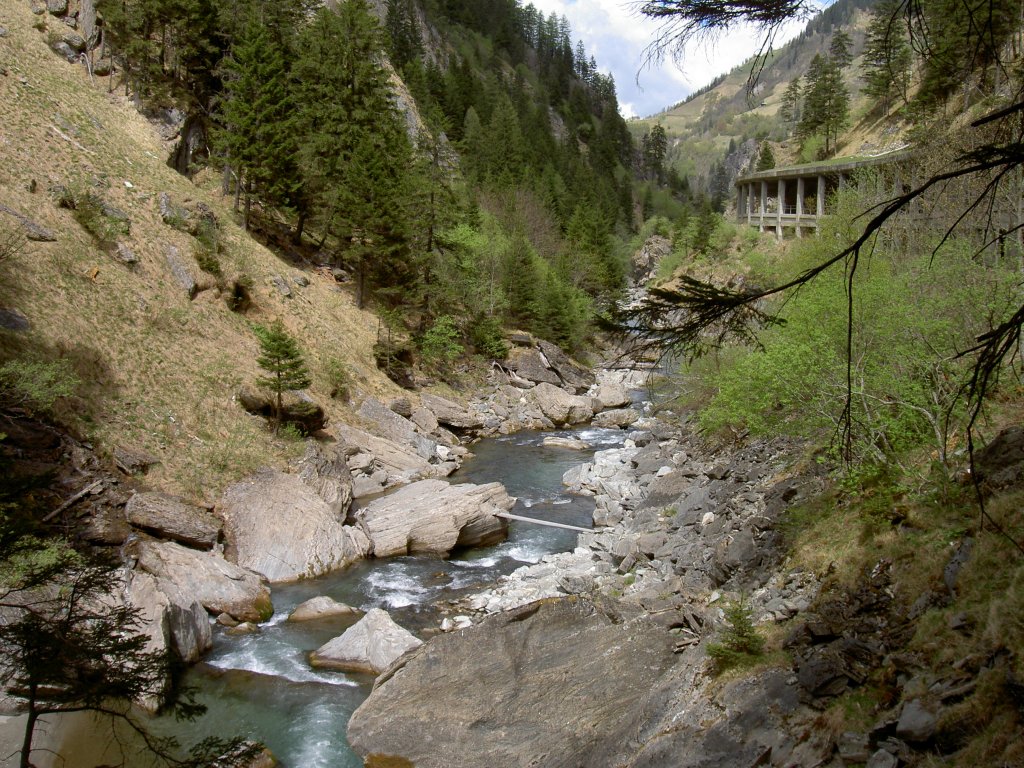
(789, 108)
(826, 102)
(404, 45)
(886, 55)
(354, 151)
(257, 136)
(766, 159)
(840, 50)
(281, 359)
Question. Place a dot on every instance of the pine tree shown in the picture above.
(653, 148)
(258, 133)
(826, 102)
(404, 43)
(840, 50)
(886, 55)
(354, 151)
(281, 359)
(766, 159)
(789, 108)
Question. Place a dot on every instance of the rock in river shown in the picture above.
(320, 607)
(371, 645)
(556, 683)
(278, 526)
(433, 516)
(220, 586)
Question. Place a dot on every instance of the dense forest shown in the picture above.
(509, 201)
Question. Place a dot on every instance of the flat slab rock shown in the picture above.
(174, 518)
(556, 683)
(372, 644)
(433, 516)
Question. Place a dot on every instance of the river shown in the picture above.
(261, 686)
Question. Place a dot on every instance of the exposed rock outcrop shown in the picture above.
(434, 516)
(280, 527)
(325, 471)
(554, 684)
(187, 575)
(320, 607)
(173, 518)
(560, 406)
(371, 645)
(449, 413)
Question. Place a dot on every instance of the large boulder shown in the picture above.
(449, 413)
(397, 429)
(612, 395)
(190, 575)
(320, 607)
(400, 461)
(172, 518)
(170, 618)
(370, 645)
(616, 417)
(326, 472)
(556, 683)
(278, 526)
(560, 406)
(569, 371)
(1000, 464)
(531, 365)
(433, 516)
(297, 408)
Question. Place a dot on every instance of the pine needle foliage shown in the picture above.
(281, 358)
(740, 640)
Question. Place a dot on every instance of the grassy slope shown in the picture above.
(701, 128)
(159, 371)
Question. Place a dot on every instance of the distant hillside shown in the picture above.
(726, 112)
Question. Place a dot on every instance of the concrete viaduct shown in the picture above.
(796, 197)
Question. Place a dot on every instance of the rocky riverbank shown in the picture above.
(598, 657)
(185, 563)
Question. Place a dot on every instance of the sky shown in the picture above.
(616, 35)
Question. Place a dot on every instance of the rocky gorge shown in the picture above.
(599, 656)
(593, 656)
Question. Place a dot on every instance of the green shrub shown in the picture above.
(740, 641)
(103, 222)
(339, 378)
(208, 261)
(912, 313)
(34, 384)
(487, 338)
(440, 344)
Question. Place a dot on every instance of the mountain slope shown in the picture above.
(159, 370)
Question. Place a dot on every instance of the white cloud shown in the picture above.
(616, 35)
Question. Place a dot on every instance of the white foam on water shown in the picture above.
(396, 588)
(561, 501)
(480, 562)
(292, 667)
(323, 740)
(525, 553)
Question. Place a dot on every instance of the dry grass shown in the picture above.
(160, 371)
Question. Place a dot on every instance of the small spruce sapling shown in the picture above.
(281, 359)
(740, 639)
